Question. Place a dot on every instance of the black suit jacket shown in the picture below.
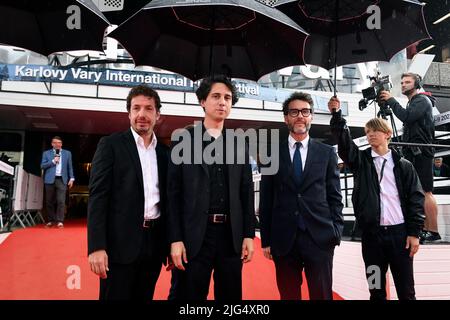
(318, 200)
(116, 198)
(188, 201)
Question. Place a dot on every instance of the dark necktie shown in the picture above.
(297, 164)
(381, 171)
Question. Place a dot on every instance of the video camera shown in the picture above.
(372, 93)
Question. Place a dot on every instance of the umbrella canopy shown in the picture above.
(128, 8)
(239, 38)
(339, 32)
(48, 26)
(326, 10)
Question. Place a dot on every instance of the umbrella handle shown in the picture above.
(336, 10)
(211, 44)
(335, 79)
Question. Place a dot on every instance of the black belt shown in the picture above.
(217, 218)
(58, 177)
(394, 227)
(150, 223)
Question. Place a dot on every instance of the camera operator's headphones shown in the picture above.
(417, 81)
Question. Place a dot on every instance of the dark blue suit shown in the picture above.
(319, 202)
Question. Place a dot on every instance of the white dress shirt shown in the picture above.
(303, 149)
(149, 165)
(58, 165)
(391, 211)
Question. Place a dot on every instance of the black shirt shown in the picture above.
(218, 175)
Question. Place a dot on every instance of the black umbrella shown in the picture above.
(240, 38)
(128, 8)
(48, 26)
(339, 31)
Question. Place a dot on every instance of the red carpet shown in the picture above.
(36, 263)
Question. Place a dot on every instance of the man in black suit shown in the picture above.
(210, 203)
(127, 200)
(301, 207)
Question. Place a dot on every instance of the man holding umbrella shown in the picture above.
(388, 204)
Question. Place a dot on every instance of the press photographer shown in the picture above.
(418, 127)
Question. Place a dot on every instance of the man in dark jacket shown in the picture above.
(301, 207)
(211, 211)
(418, 127)
(388, 204)
(127, 204)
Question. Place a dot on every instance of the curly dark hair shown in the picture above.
(298, 96)
(143, 90)
(205, 87)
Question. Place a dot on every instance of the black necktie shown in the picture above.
(380, 174)
(297, 163)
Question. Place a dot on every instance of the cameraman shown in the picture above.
(418, 127)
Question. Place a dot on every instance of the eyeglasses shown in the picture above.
(305, 112)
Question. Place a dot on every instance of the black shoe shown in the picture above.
(432, 236)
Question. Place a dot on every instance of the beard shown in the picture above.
(409, 91)
(304, 130)
(142, 130)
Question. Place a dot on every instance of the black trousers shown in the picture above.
(318, 266)
(216, 254)
(177, 289)
(55, 199)
(136, 280)
(386, 248)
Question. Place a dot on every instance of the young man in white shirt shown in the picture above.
(388, 204)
